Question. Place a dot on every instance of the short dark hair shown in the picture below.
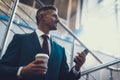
(44, 8)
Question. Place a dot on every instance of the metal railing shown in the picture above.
(100, 66)
(14, 7)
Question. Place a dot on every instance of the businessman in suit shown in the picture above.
(19, 61)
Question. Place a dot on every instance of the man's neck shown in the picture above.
(43, 29)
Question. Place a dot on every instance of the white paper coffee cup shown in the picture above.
(44, 57)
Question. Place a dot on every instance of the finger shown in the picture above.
(82, 56)
(38, 71)
(78, 60)
(37, 61)
(40, 65)
(75, 59)
(83, 53)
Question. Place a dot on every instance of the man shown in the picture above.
(19, 61)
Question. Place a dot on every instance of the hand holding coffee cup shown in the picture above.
(36, 67)
(42, 59)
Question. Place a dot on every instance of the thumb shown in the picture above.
(34, 62)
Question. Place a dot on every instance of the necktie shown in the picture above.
(45, 48)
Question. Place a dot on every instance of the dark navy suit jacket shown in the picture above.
(22, 50)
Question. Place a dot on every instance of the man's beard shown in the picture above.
(52, 27)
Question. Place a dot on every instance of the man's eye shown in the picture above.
(55, 16)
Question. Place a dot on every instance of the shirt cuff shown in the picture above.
(19, 72)
(75, 72)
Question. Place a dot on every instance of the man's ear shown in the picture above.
(42, 15)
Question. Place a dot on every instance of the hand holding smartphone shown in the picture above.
(86, 51)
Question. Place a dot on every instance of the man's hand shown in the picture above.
(79, 60)
(34, 68)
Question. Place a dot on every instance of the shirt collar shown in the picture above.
(40, 33)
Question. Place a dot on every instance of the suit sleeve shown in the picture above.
(65, 74)
(8, 63)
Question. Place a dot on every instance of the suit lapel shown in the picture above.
(35, 42)
(52, 54)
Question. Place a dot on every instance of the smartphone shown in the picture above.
(86, 51)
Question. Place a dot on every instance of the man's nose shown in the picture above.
(57, 19)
